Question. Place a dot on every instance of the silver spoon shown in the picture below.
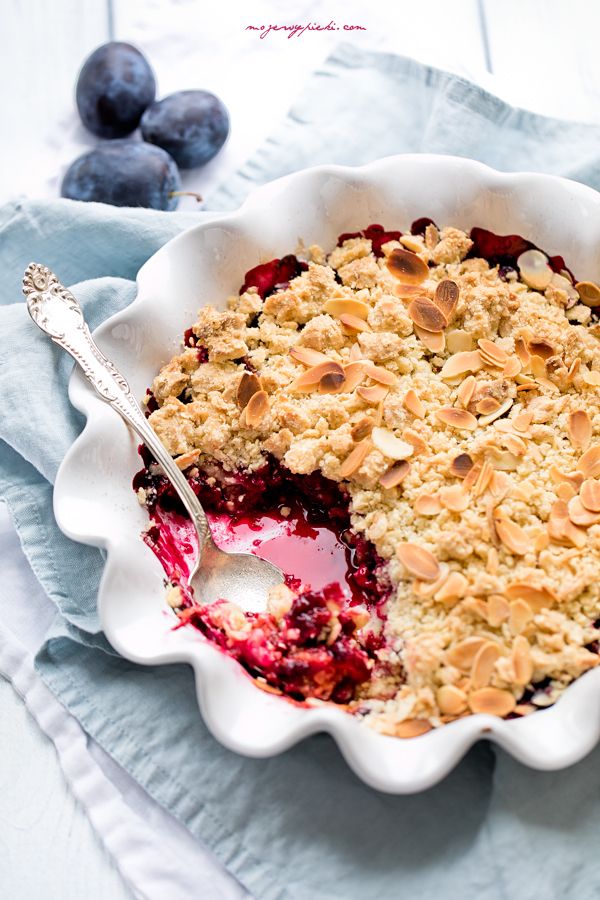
(242, 578)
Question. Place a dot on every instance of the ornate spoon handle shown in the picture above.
(55, 310)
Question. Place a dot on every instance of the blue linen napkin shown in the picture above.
(300, 825)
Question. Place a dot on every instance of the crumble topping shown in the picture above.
(458, 402)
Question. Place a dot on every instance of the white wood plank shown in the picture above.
(544, 55)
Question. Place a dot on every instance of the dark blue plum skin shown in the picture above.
(114, 87)
(190, 125)
(124, 173)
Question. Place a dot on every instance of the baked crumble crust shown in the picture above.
(464, 423)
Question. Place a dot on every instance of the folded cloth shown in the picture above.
(301, 824)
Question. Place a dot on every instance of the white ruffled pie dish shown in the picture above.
(95, 504)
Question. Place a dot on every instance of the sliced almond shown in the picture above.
(483, 664)
(461, 363)
(453, 588)
(427, 505)
(411, 728)
(522, 352)
(331, 383)
(482, 482)
(589, 293)
(407, 267)
(514, 444)
(573, 370)
(492, 352)
(466, 390)
(456, 418)
(541, 348)
(527, 386)
(355, 459)
(589, 462)
(308, 357)
(356, 353)
(415, 439)
(521, 661)
(454, 498)
(257, 407)
(428, 588)
(512, 535)
(354, 373)
(486, 406)
(451, 700)
(426, 314)
(461, 465)
(418, 561)
(522, 421)
(407, 291)
(373, 394)
(502, 409)
(534, 269)
(565, 491)
(512, 367)
(186, 459)
(591, 378)
(308, 381)
(390, 445)
(462, 655)
(446, 297)
(459, 341)
(381, 375)
(361, 429)
(395, 475)
(354, 323)
(590, 495)
(492, 701)
(413, 404)
(580, 429)
(576, 479)
(537, 598)
(249, 384)
(520, 615)
(346, 306)
(579, 515)
(435, 341)
(498, 610)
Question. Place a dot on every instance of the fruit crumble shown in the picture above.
(432, 398)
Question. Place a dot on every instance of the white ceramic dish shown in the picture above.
(94, 502)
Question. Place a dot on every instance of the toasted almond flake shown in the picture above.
(413, 242)
(411, 437)
(309, 379)
(343, 305)
(472, 476)
(426, 315)
(454, 498)
(564, 491)
(435, 341)
(482, 482)
(589, 462)
(574, 478)
(502, 409)
(446, 297)
(563, 531)
(466, 389)
(395, 475)
(407, 267)
(427, 505)
(589, 293)
(521, 614)
(591, 378)
(527, 386)
(462, 654)
(407, 291)
(381, 375)
(512, 367)
(534, 269)
(492, 701)
(355, 459)
(461, 465)
(487, 405)
(538, 367)
(512, 535)
(451, 700)
(541, 348)
(361, 429)
(354, 323)
(579, 515)
(483, 664)
(559, 510)
(456, 418)
(498, 610)
(580, 429)
(257, 407)
(428, 588)
(390, 445)
(373, 394)
(418, 561)
(411, 728)
(515, 444)
(590, 495)
(542, 542)
(524, 709)
(521, 660)
(308, 357)
(356, 353)
(249, 384)
(331, 383)
(459, 341)
(522, 421)
(354, 373)
(522, 352)
(492, 351)
(500, 485)
(573, 370)
(453, 588)
(413, 404)
(186, 459)
(461, 363)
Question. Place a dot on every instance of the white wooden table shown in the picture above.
(540, 54)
